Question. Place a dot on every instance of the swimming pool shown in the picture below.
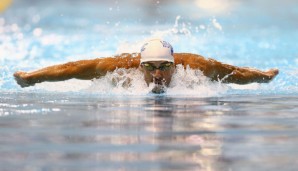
(198, 125)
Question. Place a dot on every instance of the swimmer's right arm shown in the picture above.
(83, 69)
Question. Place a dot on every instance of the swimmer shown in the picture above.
(157, 61)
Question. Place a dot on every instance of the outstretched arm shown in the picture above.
(223, 72)
(83, 69)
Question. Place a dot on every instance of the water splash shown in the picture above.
(186, 82)
(193, 82)
(120, 82)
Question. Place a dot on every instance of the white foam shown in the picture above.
(120, 82)
(193, 82)
(131, 82)
(187, 82)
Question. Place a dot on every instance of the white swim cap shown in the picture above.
(157, 50)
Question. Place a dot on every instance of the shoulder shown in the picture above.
(120, 58)
(127, 60)
(184, 58)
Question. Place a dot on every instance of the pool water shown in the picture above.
(196, 125)
(73, 132)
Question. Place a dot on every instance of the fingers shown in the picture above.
(18, 74)
(20, 79)
(273, 72)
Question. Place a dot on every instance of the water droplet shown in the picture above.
(37, 32)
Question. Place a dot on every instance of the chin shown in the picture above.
(158, 89)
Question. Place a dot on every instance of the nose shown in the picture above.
(157, 74)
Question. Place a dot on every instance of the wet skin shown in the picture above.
(96, 68)
(158, 72)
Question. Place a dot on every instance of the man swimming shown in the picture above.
(157, 61)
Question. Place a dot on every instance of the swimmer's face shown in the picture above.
(158, 72)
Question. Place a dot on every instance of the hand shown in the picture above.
(20, 77)
(272, 73)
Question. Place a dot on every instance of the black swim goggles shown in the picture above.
(162, 67)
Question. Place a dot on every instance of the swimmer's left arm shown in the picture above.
(240, 75)
(225, 73)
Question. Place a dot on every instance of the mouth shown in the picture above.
(158, 89)
(159, 85)
(158, 81)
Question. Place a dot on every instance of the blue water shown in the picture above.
(57, 131)
(196, 125)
